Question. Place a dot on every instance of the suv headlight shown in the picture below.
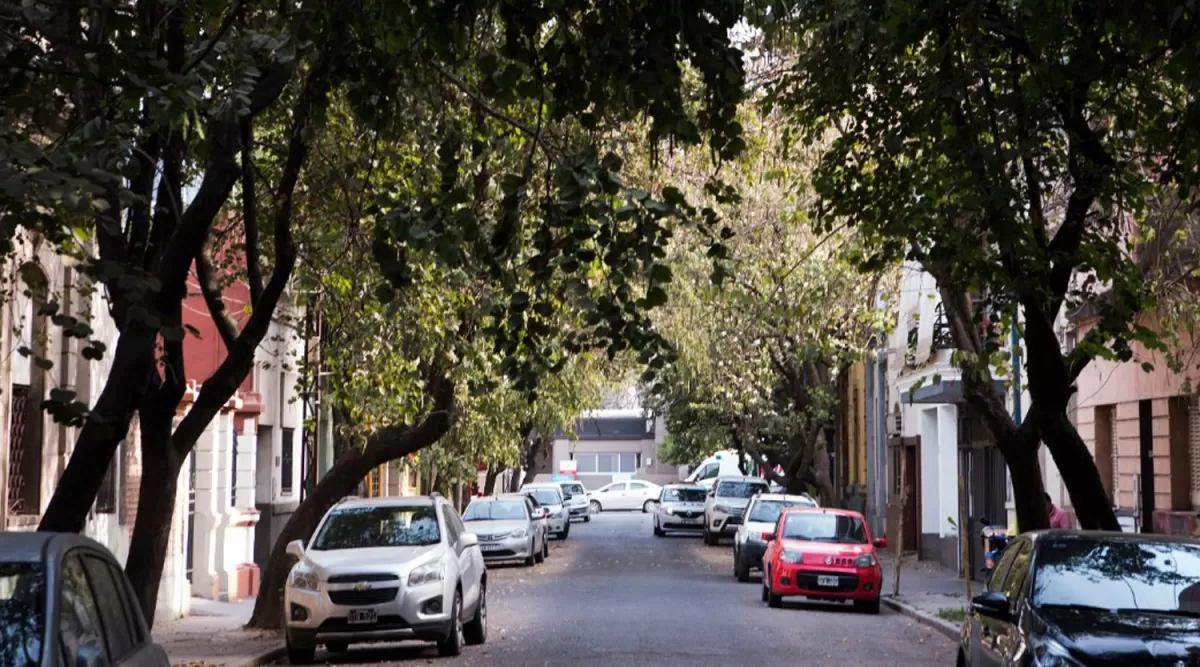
(427, 574)
(791, 556)
(865, 560)
(723, 509)
(1049, 653)
(667, 510)
(305, 580)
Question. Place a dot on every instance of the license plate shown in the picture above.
(358, 616)
(827, 581)
(489, 547)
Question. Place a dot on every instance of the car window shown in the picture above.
(451, 529)
(547, 496)
(575, 489)
(79, 616)
(822, 527)
(619, 486)
(709, 470)
(1118, 574)
(996, 581)
(112, 613)
(638, 485)
(496, 510)
(736, 489)
(1014, 583)
(767, 511)
(22, 613)
(678, 495)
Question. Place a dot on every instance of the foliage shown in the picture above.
(760, 354)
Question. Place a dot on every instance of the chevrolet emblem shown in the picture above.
(361, 587)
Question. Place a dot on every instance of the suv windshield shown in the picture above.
(683, 495)
(1118, 574)
(362, 527)
(547, 496)
(767, 511)
(22, 617)
(495, 510)
(821, 527)
(575, 489)
(740, 489)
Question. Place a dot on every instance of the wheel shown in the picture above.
(773, 601)
(566, 531)
(587, 518)
(475, 632)
(452, 645)
(765, 593)
(594, 507)
(658, 532)
(646, 506)
(540, 556)
(532, 558)
(337, 647)
(709, 538)
(300, 655)
(545, 549)
(740, 569)
(868, 606)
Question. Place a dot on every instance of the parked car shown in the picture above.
(65, 600)
(631, 495)
(761, 515)
(1088, 598)
(550, 495)
(508, 528)
(727, 502)
(822, 554)
(577, 501)
(680, 507)
(386, 569)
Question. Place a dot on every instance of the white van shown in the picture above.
(721, 464)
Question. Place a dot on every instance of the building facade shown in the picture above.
(612, 445)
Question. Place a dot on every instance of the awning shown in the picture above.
(944, 392)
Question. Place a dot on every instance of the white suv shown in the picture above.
(386, 569)
(727, 503)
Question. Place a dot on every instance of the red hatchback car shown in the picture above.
(822, 554)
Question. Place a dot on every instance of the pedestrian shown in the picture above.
(1058, 516)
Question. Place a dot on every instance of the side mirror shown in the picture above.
(992, 604)
(468, 540)
(91, 654)
(768, 537)
(296, 548)
(880, 542)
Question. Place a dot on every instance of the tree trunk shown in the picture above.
(100, 436)
(1092, 505)
(489, 480)
(820, 467)
(156, 505)
(535, 452)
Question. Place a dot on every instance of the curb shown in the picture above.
(266, 657)
(945, 627)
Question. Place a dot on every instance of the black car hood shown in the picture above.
(1097, 638)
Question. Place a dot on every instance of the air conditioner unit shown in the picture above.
(895, 423)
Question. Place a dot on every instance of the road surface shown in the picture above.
(613, 594)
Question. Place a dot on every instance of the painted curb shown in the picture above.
(943, 626)
(267, 657)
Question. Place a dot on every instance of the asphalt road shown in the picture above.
(613, 594)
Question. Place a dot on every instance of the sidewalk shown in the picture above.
(212, 636)
(927, 592)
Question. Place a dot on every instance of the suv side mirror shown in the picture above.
(296, 548)
(468, 540)
(992, 604)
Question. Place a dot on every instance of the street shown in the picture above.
(613, 594)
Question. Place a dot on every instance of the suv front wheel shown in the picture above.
(452, 645)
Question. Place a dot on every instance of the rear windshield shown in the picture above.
(767, 511)
(821, 527)
(362, 527)
(740, 489)
(683, 495)
(495, 510)
(22, 616)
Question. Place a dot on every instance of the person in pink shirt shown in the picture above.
(1058, 516)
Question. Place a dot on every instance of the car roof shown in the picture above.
(1061, 535)
(698, 487)
(740, 478)
(35, 547)
(394, 501)
(823, 510)
(785, 497)
(506, 496)
(540, 485)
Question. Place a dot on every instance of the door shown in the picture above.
(905, 472)
(639, 493)
(991, 639)
(466, 557)
(613, 496)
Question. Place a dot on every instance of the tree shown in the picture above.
(1010, 150)
(760, 355)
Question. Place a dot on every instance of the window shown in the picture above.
(285, 462)
(116, 623)
(1118, 574)
(617, 488)
(233, 470)
(585, 463)
(363, 527)
(451, 530)
(629, 462)
(22, 615)
(996, 581)
(607, 463)
(106, 498)
(822, 527)
(496, 510)
(1014, 583)
(730, 489)
(79, 620)
(639, 485)
(710, 471)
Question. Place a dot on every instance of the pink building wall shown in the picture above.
(203, 353)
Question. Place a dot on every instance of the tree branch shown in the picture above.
(250, 212)
(213, 298)
(530, 131)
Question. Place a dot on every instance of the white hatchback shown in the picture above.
(386, 569)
